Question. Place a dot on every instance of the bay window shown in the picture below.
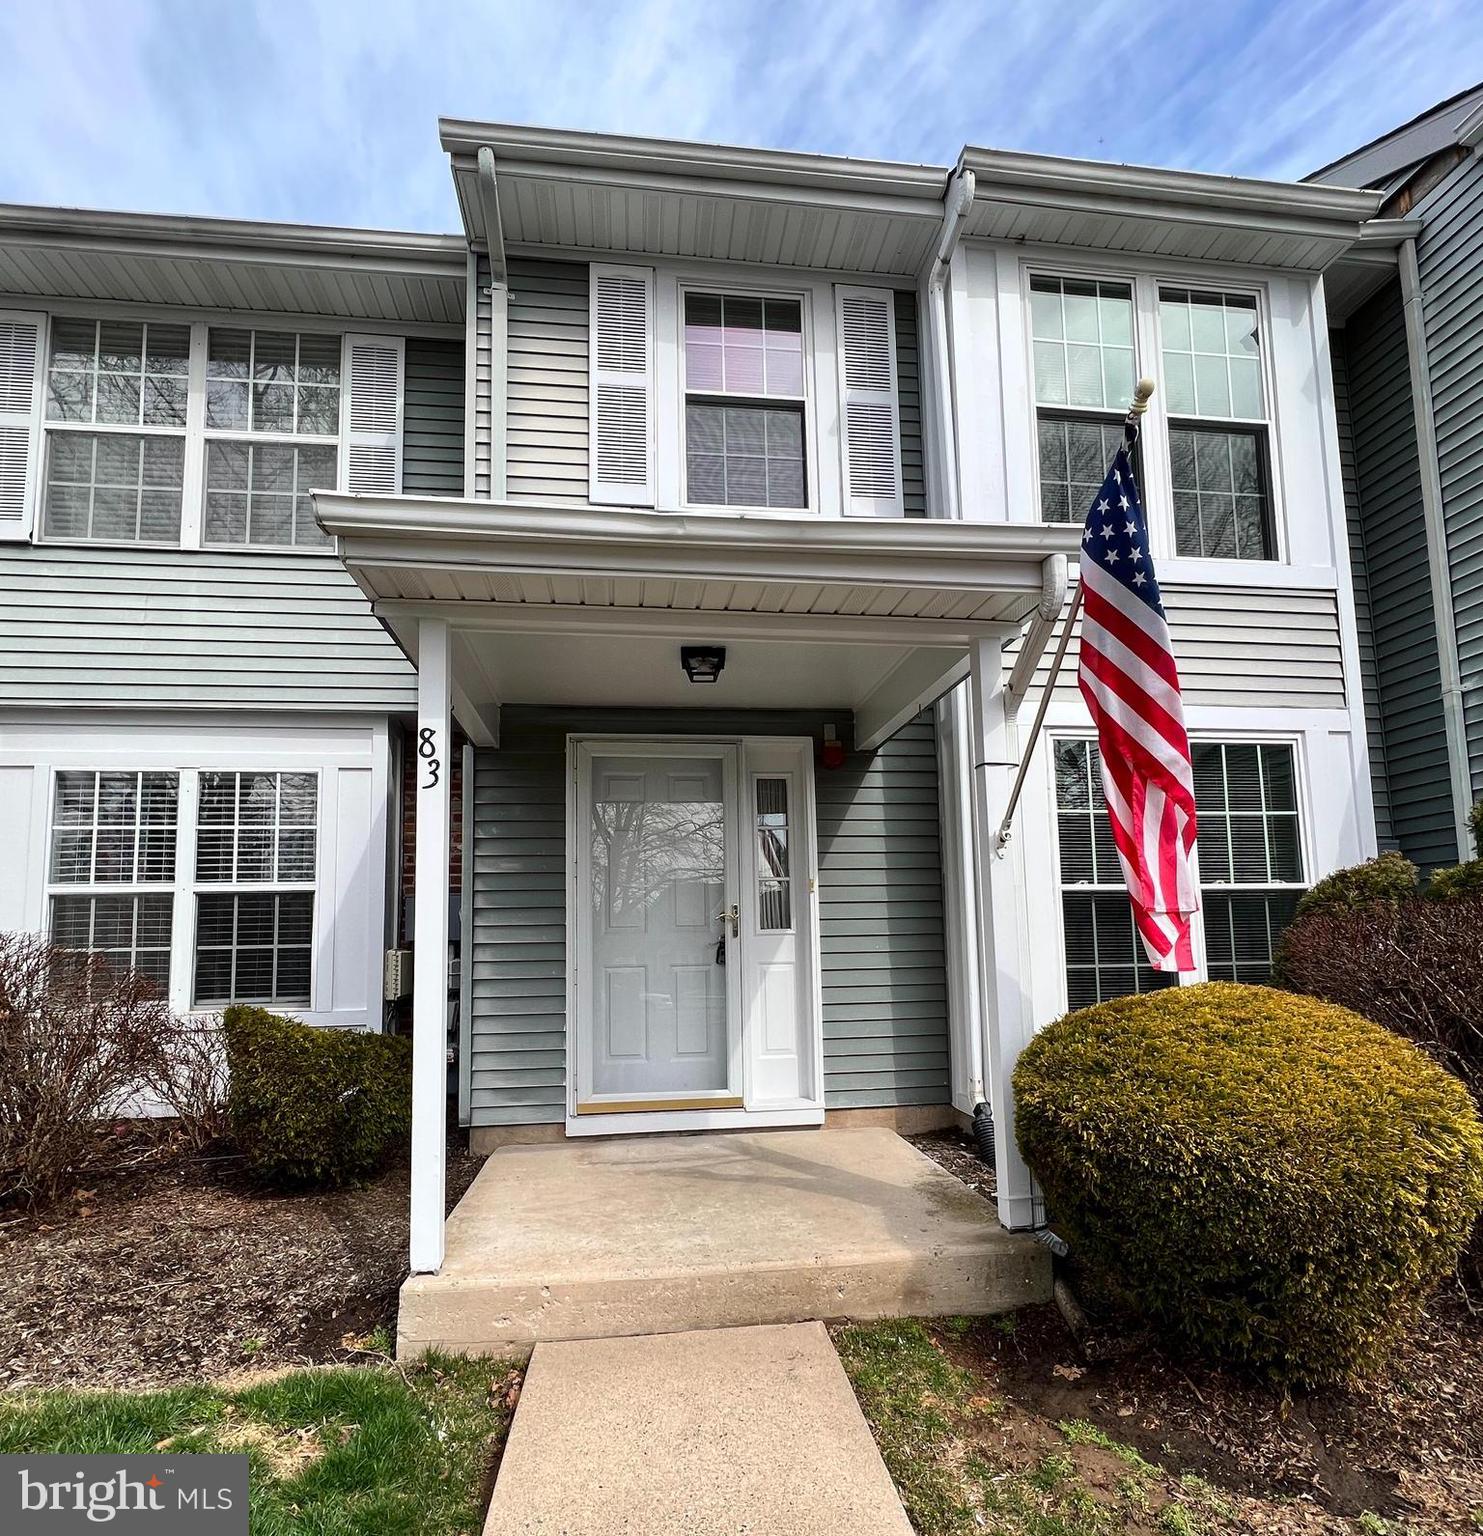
(1218, 433)
(744, 401)
(1251, 868)
(1084, 371)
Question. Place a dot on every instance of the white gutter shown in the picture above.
(956, 202)
(1438, 560)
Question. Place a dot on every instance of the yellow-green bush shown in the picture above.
(1273, 1180)
(1389, 880)
(314, 1106)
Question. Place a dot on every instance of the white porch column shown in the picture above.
(1003, 950)
(432, 764)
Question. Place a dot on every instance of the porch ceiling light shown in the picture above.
(702, 663)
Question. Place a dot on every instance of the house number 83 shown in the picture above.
(427, 750)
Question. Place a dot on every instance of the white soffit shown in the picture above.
(232, 265)
(603, 192)
(1042, 199)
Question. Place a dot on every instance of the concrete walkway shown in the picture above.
(587, 1239)
(729, 1432)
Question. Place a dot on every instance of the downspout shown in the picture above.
(956, 202)
(952, 711)
(1438, 558)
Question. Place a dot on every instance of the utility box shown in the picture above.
(396, 975)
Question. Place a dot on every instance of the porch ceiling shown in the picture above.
(571, 605)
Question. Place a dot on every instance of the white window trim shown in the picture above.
(1295, 740)
(821, 406)
(186, 888)
(1156, 484)
(803, 400)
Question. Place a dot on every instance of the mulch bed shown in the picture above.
(1409, 1447)
(167, 1267)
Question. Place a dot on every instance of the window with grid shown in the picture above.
(774, 882)
(1251, 868)
(744, 401)
(1104, 955)
(1082, 337)
(111, 867)
(1251, 853)
(116, 396)
(258, 831)
(272, 434)
(1218, 440)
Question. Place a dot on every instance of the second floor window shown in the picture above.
(278, 395)
(744, 401)
(1082, 338)
(1218, 449)
(116, 405)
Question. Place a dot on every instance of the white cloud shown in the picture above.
(325, 110)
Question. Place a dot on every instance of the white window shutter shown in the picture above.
(21, 370)
(620, 347)
(870, 413)
(373, 418)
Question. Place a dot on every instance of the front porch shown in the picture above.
(661, 1234)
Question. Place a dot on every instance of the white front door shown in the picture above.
(692, 964)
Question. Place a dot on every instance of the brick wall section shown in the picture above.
(409, 818)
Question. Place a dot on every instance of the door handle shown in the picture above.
(732, 915)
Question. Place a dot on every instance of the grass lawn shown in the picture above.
(348, 1451)
(973, 1454)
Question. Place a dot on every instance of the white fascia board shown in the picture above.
(1006, 175)
(570, 151)
(721, 546)
(917, 682)
(232, 239)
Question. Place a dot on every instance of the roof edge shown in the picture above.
(242, 235)
(681, 157)
(1237, 195)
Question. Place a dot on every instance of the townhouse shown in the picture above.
(724, 503)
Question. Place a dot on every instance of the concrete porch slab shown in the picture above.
(693, 1434)
(659, 1234)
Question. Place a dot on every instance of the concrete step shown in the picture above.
(600, 1239)
(693, 1434)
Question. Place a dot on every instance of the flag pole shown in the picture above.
(1142, 394)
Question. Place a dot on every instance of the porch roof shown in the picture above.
(563, 604)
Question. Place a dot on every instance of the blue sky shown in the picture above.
(325, 110)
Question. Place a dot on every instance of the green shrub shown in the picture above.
(1390, 879)
(314, 1106)
(1475, 821)
(1458, 881)
(1275, 1181)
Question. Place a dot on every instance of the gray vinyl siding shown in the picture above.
(1247, 647)
(546, 453)
(1364, 615)
(432, 420)
(909, 393)
(1389, 514)
(484, 365)
(170, 627)
(882, 944)
(1450, 257)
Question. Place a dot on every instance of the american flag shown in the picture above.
(1131, 685)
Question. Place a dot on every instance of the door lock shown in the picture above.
(732, 914)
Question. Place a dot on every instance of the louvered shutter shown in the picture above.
(869, 408)
(21, 367)
(621, 353)
(373, 431)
